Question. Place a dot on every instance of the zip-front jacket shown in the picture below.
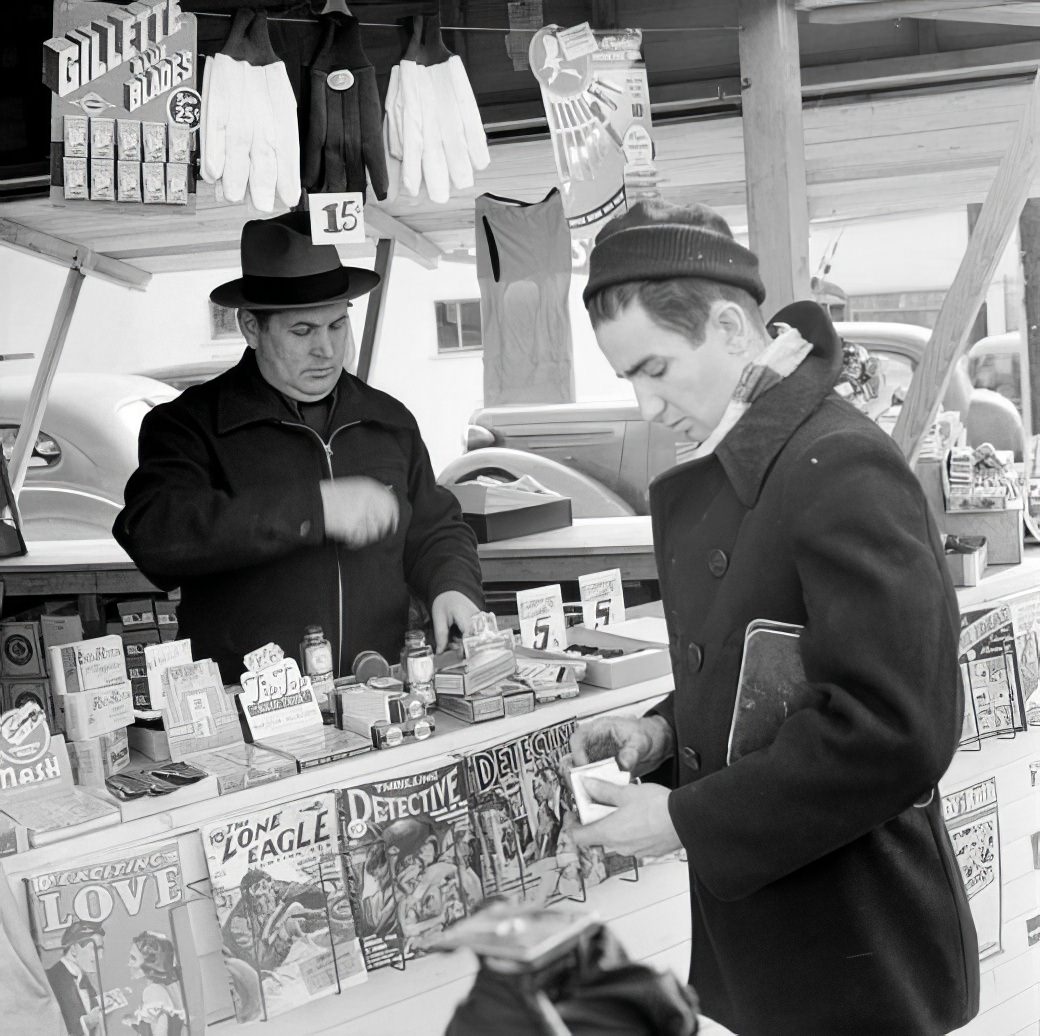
(825, 896)
(226, 505)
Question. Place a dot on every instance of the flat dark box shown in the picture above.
(520, 521)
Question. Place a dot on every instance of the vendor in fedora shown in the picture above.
(286, 492)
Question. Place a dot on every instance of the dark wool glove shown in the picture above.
(344, 133)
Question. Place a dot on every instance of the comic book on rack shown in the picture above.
(412, 864)
(285, 920)
(521, 799)
(988, 657)
(113, 932)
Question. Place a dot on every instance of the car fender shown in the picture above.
(589, 498)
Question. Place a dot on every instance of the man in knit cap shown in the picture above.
(825, 896)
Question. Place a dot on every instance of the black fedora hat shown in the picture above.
(282, 269)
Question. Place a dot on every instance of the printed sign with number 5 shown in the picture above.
(337, 219)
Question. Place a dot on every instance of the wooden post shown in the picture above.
(376, 304)
(33, 416)
(1029, 241)
(981, 323)
(774, 149)
(986, 245)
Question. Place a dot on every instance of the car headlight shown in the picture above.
(477, 437)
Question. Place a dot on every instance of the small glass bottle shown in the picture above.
(412, 639)
(419, 665)
(316, 662)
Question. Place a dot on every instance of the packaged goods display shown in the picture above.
(116, 942)
(198, 712)
(412, 865)
(281, 900)
(243, 766)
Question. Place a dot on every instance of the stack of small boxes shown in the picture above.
(143, 622)
(23, 669)
(89, 679)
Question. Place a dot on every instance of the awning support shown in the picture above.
(34, 407)
(385, 248)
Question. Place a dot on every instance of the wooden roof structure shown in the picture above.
(907, 106)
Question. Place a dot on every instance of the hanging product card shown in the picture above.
(120, 75)
(989, 671)
(971, 819)
(597, 104)
(602, 598)
(337, 219)
(277, 700)
(540, 611)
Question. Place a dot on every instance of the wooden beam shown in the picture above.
(1004, 14)
(881, 10)
(34, 406)
(380, 224)
(980, 323)
(948, 343)
(774, 149)
(77, 257)
(1029, 249)
(376, 305)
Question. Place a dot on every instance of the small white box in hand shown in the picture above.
(603, 770)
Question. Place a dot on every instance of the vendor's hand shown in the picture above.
(358, 510)
(640, 826)
(449, 607)
(639, 743)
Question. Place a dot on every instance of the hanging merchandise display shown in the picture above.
(344, 136)
(597, 104)
(124, 109)
(524, 273)
(433, 132)
(249, 136)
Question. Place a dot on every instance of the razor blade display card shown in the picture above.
(540, 610)
(602, 598)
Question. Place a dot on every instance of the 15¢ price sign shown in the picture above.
(337, 219)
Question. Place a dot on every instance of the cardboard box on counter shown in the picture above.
(966, 568)
(99, 757)
(147, 805)
(149, 741)
(498, 513)
(1003, 531)
(21, 652)
(137, 615)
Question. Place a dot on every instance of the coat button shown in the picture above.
(694, 658)
(305, 528)
(691, 757)
(718, 562)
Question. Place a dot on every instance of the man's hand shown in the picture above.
(358, 510)
(639, 743)
(449, 607)
(640, 826)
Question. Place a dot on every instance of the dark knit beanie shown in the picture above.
(658, 241)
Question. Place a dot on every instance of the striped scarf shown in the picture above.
(778, 359)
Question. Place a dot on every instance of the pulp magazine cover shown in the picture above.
(521, 799)
(117, 929)
(282, 906)
(989, 669)
(971, 819)
(412, 865)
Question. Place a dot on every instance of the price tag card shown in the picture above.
(540, 610)
(602, 598)
(337, 219)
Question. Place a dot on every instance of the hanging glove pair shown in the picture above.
(343, 133)
(248, 134)
(432, 131)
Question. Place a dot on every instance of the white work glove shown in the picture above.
(434, 160)
(476, 139)
(286, 133)
(453, 133)
(411, 127)
(226, 129)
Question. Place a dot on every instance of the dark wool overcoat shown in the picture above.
(226, 505)
(825, 896)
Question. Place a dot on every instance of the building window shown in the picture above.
(223, 322)
(458, 326)
(903, 307)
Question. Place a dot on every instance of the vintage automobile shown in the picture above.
(604, 455)
(84, 453)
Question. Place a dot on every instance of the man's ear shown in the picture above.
(734, 324)
(249, 326)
